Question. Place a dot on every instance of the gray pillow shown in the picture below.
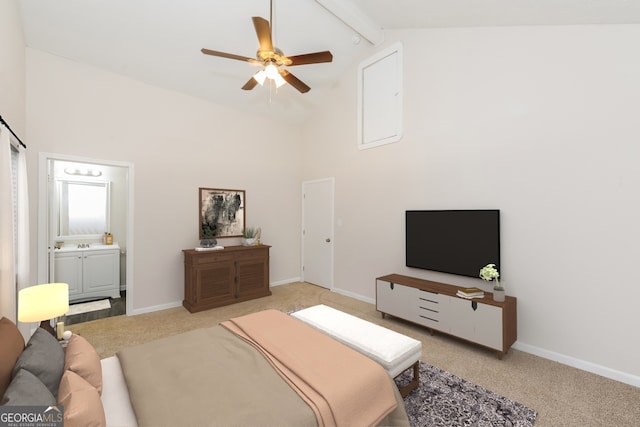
(25, 390)
(43, 357)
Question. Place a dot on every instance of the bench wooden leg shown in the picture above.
(414, 383)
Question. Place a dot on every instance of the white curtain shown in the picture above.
(23, 279)
(7, 245)
(14, 226)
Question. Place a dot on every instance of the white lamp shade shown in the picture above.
(271, 71)
(279, 80)
(43, 302)
(260, 76)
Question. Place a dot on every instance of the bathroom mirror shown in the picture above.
(83, 209)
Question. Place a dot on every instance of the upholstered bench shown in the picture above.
(395, 352)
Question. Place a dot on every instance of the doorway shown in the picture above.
(317, 232)
(56, 172)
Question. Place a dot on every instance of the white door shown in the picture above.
(317, 232)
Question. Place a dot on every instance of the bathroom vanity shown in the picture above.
(91, 272)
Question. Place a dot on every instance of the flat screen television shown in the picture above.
(453, 241)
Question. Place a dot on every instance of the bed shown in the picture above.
(266, 368)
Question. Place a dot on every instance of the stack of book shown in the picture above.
(470, 293)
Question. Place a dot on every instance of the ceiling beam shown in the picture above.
(354, 17)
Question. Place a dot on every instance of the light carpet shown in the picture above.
(86, 307)
(444, 399)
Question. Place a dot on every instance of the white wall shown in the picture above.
(12, 67)
(177, 144)
(12, 108)
(540, 122)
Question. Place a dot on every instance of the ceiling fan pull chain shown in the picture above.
(273, 40)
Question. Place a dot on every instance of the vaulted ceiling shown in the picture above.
(159, 41)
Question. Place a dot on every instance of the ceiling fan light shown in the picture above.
(272, 72)
(260, 76)
(279, 81)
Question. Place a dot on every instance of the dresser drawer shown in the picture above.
(208, 257)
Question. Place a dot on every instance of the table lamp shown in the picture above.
(40, 303)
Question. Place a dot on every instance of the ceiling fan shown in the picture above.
(273, 59)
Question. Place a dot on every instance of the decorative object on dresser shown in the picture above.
(222, 213)
(470, 293)
(208, 243)
(489, 272)
(435, 305)
(226, 276)
(251, 236)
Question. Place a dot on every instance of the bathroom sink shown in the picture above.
(92, 247)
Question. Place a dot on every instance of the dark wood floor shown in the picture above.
(118, 308)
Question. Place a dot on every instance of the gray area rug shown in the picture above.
(444, 399)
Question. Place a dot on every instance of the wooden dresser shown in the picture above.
(221, 277)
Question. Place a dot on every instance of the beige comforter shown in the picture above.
(210, 377)
(341, 385)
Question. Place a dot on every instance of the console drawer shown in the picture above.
(429, 309)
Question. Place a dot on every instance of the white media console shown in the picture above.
(435, 305)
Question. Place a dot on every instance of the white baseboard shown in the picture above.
(355, 296)
(156, 308)
(284, 282)
(594, 368)
(175, 304)
(603, 371)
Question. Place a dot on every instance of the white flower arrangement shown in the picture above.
(489, 272)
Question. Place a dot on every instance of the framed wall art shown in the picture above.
(222, 213)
